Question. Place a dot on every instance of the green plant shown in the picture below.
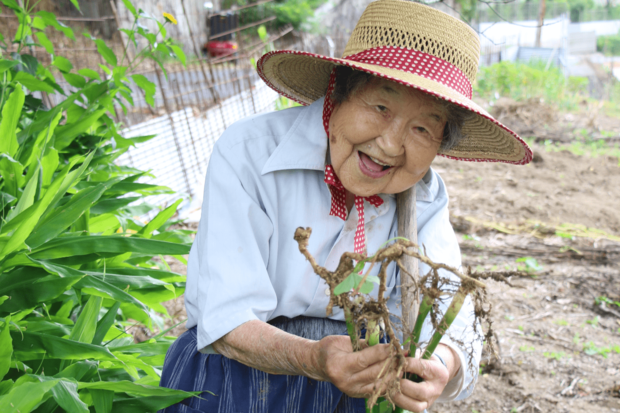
(76, 267)
(555, 355)
(527, 349)
(591, 349)
(603, 299)
(529, 265)
(522, 81)
(593, 322)
(285, 103)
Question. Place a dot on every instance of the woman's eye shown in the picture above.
(421, 129)
(381, 108)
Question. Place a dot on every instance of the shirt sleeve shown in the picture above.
(227, 271)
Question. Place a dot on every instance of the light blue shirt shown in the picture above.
(266, 178)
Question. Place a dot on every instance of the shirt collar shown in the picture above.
(305, 144)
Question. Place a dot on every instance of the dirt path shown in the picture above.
(560, 348)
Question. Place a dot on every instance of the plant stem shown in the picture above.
(425, 308)
(351, 328)
(372, 333)
(446, 321)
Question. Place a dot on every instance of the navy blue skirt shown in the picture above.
(242, 389)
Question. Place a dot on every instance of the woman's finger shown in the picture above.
(362, 360)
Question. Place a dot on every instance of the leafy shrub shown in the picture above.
(522, 81)
(75, 265)
(610, 45)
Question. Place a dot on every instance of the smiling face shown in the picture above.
(384, 137)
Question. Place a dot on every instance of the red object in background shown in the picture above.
(218, 48)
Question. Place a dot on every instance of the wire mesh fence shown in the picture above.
(193, 104)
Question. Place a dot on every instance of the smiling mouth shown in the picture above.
(372, 167)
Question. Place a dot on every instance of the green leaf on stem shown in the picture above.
(76, 4)
(45, 42)
(106, 52)
(49, 19)
(179, 53)
(6, 348)
(86, 324)
(32, 83)
(10, 117)
(74, 80)
(89, 73)
(131, 8)
(102, 400)
(7, 64)
(25, 396)
(147, 86)
(62, 63)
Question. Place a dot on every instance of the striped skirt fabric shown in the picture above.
(241, 389)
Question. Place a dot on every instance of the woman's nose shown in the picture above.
(391, 139)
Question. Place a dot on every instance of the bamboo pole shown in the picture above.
(408, 228)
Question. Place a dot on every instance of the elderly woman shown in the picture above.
(258, 338)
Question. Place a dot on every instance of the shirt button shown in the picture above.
(327, 291)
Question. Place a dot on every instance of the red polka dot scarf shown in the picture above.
(339, 193)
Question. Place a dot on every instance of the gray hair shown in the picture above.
(349, 82)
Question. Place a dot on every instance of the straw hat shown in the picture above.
(414, 45)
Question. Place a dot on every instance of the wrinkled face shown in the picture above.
(384, 137)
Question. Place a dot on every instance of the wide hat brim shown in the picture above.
(304, 77)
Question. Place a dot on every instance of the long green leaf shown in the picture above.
(146, 404)
(27, 198)
(6, 348)
(34, 214)
(79, 370)
(42, 290)
(66, 395)
(30, 346)
(10, 117)
(110, 205)
(157, 274)
(63, 217)
(110, 291)
(159, 220)
(106, 322)
(25, 397)
(88, 281)
(12, 172)
(66, 134)
(86, 324)
(102, 400)
(135, 389)
(35, 149)
(68, 247)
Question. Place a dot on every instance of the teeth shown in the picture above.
(378, 161)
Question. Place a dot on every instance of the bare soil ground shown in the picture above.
(559, 345)
(559, 348)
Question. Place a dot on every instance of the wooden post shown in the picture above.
(408, 228)
(541, 21)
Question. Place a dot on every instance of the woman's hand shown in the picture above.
(354, 373)
(416, 397)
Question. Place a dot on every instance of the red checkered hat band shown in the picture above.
(417, 63)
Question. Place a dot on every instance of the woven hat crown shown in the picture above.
(418, 27)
